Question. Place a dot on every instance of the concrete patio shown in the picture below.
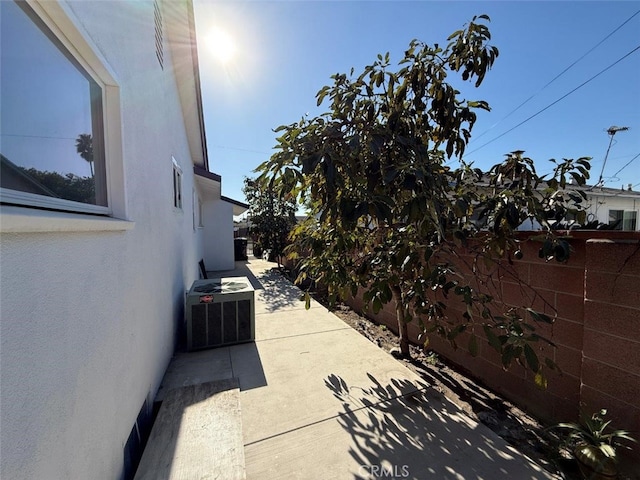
(319, 401)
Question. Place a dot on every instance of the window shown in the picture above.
(52, 148)
(177, 185)
(623, 219)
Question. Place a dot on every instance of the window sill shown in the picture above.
(27, 220)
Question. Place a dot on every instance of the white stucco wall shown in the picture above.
(599, 206)
(218, 235)
(88, 318)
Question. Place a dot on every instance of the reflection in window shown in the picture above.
(623, 219)
(629, 221)
(615, 219)
(51, 115)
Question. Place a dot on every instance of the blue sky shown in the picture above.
(287, 50)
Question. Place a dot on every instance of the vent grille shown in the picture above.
(157, 16)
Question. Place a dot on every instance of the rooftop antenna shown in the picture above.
(612, 130)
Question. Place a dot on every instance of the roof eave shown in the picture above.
(238, 207)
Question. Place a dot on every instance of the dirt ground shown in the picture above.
(521, 430)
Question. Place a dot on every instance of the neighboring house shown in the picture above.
(606, 207)
(616, 209)
(612, 206)
(107, 207)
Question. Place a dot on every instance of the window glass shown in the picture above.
(615, 218)
(629, 222)
(51, 126)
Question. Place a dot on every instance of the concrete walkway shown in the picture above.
(319, 401)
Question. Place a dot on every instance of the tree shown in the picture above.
(84, 147)
(271, 217)
(389, 216)
(67, 186)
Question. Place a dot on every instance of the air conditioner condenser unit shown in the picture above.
(220, 311)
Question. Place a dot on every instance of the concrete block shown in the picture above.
(197, 435)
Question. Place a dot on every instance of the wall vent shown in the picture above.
(137, 440)
(157, 17)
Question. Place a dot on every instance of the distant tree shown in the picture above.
(84, 147)
(67, 186)
(389, 215)
(271, 216)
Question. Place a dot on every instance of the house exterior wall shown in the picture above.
(599, 206)
(596, 297)
(89, 315)
(218, 235)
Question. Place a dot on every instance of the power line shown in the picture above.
(37, 136)
(223, 147)
(626, 165)
(558, 76)
(558, 100)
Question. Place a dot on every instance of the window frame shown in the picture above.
(70, 33)
(197, 211)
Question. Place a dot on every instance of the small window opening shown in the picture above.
(177, 185)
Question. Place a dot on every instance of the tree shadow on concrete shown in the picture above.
(278, 293)
(401, 431)
(271, 286)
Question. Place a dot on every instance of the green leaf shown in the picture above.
(540, 380)
(539, 317)
(455, 34)
(494, 341)
(473, 346)
(551, 365)
(377, 305)
(457, 330)
(532, 358)
(390, 175)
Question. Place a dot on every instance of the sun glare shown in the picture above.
(221, 45)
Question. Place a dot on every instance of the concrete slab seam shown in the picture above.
(302, 334)
(332, 417)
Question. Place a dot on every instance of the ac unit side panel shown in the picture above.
(198, 326)
(214, 333)
(245, 316)
(229, 322)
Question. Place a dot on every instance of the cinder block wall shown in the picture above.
(596, 297)
(611, 346)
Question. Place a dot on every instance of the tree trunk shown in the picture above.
(403, 330)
